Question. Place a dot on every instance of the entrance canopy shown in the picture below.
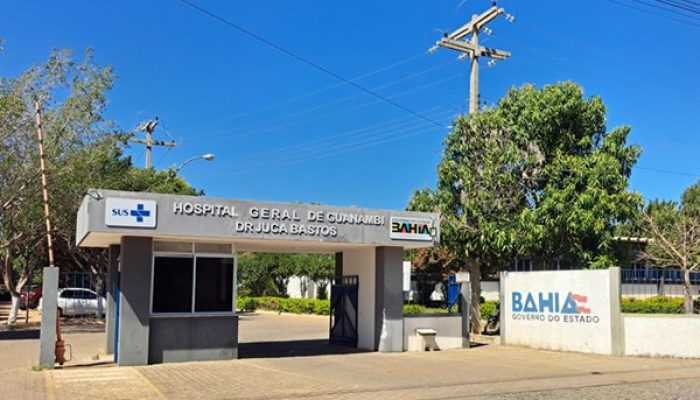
(105, 216)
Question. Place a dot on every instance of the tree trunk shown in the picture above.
(474, 268)
(14, 310)
(688, 291)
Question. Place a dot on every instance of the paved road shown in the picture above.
(487, 372)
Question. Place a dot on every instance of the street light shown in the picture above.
(207, 157)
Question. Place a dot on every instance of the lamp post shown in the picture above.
(206, 157)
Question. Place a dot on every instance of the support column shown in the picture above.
(361, 262)
(617, 326)
(135, 300)
(112, 279)
(339, 264)
(388, 314)
(49, 309)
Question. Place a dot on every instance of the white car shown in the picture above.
(79, 301)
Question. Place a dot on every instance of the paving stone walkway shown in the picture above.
(487, 372)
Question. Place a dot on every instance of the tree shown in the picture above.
(674, 230)
(318, 268)
(536, 175)
(83, 150)
(268, 274)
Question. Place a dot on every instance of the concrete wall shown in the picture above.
(388, 314)
(112, 281)
(642, 291)
(135, 300)
(173, 222)
(361, 262)
(563, 310)
(662, 335)
(448, 327)
(294, 289)
(193, 339)
(490, 290)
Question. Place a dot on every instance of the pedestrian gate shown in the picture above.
(343, 323)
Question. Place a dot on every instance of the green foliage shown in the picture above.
(283, 304)
(246, 304)
(267, 274)
(538, 175)
(674, 230)
(653, 305)
(82, 151)
(488, 309)
(416, 309)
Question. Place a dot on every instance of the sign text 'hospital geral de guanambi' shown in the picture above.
(285, 221)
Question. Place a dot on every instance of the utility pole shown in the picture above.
(44, 185)
(471, 48)
(149, 127)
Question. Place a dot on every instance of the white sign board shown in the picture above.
(462, 277)
(133, 213)
(406, 276)
(407, 228)
(562, 310)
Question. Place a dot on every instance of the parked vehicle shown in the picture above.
(79, 301)
(29, 297)
(493, 325)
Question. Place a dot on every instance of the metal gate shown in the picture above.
(343, 323)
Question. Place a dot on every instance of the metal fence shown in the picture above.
(82, 302)
(650, 282)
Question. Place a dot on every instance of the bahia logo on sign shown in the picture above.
(406, 228)
(551, 307)
(132, 213)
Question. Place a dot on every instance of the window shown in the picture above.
(172, 284)
(214, 287)
(191, 283)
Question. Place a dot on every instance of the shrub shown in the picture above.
(653, 305)
(488, 309)
(246, 304)
(415, 309)
(283, 304)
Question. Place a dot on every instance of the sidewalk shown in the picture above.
(483, 371)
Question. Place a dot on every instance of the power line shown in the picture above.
(329, 141)
(269, 121)
(345, 109)
(670, 172)
(307, 94)
(306, 61)
(646, 11)
(327, 152)
(665, 9)
(679, 6)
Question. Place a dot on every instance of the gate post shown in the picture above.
(112, 277)
(49, 309)
(389, 299)
(464, 308)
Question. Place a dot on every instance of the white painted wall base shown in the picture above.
(362, 262)
(449, 331)
(662, 335)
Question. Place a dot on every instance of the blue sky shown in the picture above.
(283, 131)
